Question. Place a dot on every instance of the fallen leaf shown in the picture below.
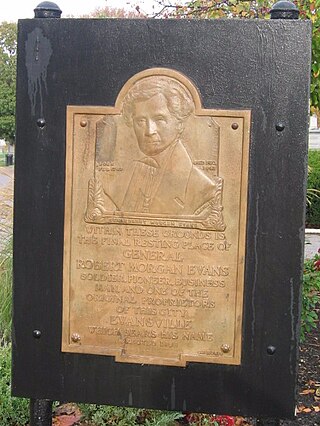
(316, 408)
(68, 420)
(318, 391)
(68, 409)
(300, 408)
(307, 410)
(307, 391)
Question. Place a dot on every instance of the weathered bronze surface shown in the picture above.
(155, 222)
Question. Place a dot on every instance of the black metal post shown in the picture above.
(40, 412)
(41, 409)
(47, 9)
(283, 9)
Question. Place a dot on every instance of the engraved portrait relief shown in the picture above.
(165, 180)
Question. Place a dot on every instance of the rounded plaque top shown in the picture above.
(47, 9)
(284, 9)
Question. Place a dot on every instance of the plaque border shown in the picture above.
(245, 115)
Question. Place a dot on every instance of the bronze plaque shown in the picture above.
(155, 225)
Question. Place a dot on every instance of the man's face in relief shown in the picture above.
(154, 125)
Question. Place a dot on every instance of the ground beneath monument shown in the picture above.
(308, 399)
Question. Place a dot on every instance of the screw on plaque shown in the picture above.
(234, 126)
(76, 338)
(280, 127)
(284, 9)
(36, 334)
(83, 123)
(271, 350)
(41, 122)
(47, 9)
(225, 348)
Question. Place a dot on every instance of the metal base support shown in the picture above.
(40, 412)
(268, 422)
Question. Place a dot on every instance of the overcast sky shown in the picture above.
(20, 9)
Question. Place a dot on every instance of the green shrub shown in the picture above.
(2, 159)
(104, 415)
(313, 209)
(13, 411)
(6, 291)
(6, 218)
(310, 295)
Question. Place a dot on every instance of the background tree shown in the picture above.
(8, 51)
(309, 9)
(111, 12)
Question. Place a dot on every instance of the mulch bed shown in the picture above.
(308, 399)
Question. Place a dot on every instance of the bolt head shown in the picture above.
(36, 334)
(225, 348)
(280, 127)
(271, 350)
(41, 122)
(75, 338)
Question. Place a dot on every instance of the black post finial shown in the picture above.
(284, 9)
(47, 9)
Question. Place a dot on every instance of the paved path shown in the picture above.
(6, 175)
(312, 244)
(6, 203)
(314, 139)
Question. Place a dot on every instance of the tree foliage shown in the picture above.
(209, 9)
(111, 12)
(309, 9)
(8, 51)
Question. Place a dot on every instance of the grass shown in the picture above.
(13, 411)
(6, 217)
(2, 159)
(310, 296)
(104, 415)
(313, 206)
(6, 292)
